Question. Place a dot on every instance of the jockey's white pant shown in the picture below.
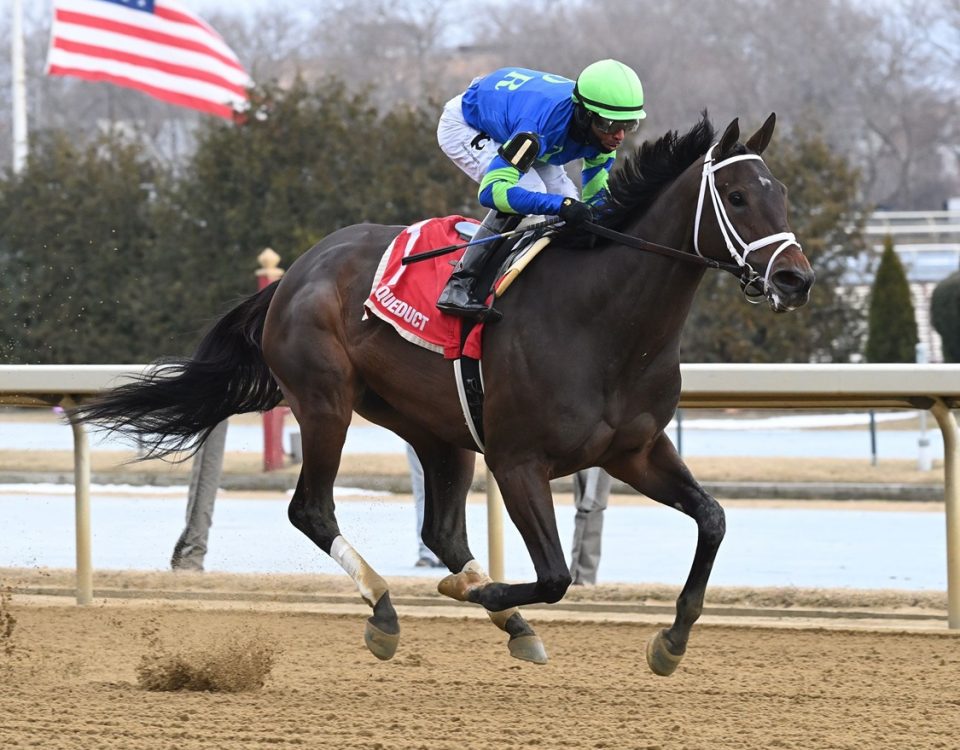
(473, 151)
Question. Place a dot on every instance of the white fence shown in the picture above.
(932, 387)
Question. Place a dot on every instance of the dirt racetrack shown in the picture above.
(68, 679)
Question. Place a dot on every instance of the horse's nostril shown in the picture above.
(791, 282)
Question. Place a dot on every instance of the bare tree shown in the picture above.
(879, 80)
(398, 50)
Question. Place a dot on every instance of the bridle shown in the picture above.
(754, 285)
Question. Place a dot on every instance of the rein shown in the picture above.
(653, 247)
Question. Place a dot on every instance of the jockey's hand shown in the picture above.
(574, 212)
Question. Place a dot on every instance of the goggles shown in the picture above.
(606, 125)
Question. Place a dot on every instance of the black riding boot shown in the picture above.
(460, 296)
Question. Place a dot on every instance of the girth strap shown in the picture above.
(469, 379)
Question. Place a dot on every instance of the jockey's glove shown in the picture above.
(574, 212)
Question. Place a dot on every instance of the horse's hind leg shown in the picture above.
(448, 473)
(663, 477)
(323, 425)
(526, 493)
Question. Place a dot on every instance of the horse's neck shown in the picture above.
(669, 220)
(656, 287)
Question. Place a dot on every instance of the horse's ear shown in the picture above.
(761, 139)
(730, 137)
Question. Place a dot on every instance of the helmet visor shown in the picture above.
(606, 125)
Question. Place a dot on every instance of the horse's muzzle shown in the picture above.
(789, 288)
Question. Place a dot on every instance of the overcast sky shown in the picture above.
(205, 6)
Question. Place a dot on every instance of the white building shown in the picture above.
(928, 244)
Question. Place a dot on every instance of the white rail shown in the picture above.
(932, 387)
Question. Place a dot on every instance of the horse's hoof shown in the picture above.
(528, 648)
(382, 645)
(659, 658)
(450, 586)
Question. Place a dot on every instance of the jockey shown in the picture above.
(514, 119)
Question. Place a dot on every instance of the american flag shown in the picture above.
(155, 46)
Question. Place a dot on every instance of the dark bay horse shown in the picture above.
(582, 371)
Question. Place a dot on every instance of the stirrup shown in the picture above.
(491, 315)
(479, 312)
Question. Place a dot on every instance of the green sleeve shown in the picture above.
(596, 173)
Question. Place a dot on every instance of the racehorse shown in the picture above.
(582, 371)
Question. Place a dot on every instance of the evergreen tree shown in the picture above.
(309, 160)
(892, 335)
(945, 315)
(79, 279)
(107, 257)
(825, 216)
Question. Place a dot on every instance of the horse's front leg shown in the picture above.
(526, 495)
(662, 476)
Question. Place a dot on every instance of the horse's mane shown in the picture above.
(634, 186)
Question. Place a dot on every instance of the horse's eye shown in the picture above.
(736, 199)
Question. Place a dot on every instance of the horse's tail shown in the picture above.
(176, 405)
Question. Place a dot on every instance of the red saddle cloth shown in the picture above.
(406, 296)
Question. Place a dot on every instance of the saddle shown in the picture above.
(510, 259)
(405, 296)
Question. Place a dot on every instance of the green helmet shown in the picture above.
(610, 89)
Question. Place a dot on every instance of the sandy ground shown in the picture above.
(73, 677)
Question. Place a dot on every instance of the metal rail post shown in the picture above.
(81, 488)
(951, 500)
(494, 528)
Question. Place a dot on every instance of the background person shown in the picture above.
(591, 492)
(425, 556)
(191, 547)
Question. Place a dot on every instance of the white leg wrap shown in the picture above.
(498, 618)
(369, 583)
(474, 567)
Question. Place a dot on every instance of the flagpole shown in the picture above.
(20, 143)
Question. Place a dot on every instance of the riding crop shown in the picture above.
(550, 221)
